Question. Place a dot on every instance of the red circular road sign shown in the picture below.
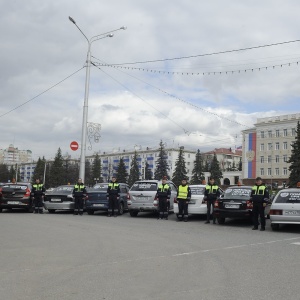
(74, 146)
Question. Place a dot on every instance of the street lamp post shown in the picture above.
(86, 93)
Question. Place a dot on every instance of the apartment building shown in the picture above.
(12, 156)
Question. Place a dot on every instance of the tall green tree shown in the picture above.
(57, 172)
(294, 160)
(97, 169)
(206, 166)
(148, 173)
(39, 170)
(162, 166)
(4, 173)
(197, 172)
(215, 170)
(180, 169)
(122, 174)
(134, 173)
(89, 179)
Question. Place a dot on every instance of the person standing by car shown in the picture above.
(183, 198)
(163, 194)
(79, 194)
(260, 198)
(212, 192)
(113, 195)
(37, 194)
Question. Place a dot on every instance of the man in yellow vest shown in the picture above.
(260, 198)
(37, 194)
(212, 192)
(79, 193)
(113, 195)
(183, 198)
(163, 194)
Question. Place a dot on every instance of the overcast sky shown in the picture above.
(158, 91)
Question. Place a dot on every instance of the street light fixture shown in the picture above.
(86, 93)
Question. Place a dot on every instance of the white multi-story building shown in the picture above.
(12, 156)
(267, 148)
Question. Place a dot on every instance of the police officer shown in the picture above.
(183, 198)
(163, 194)
(212, 192)
(113, 195)
(37, 194)
(260, 198)
(79, 193)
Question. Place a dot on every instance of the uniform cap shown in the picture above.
(258, 178)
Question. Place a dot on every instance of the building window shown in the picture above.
(269, 171)
(284, 171)
(277, 146)
(284, 132)
(284, 145)
(293, 131)
(269, 146)
(262, 134)
(285, 158)
(270, 133)
(269, 159)
(189, 155)
(277, 133)
(262, 159)
(276, 171)
(277, 159)
(262, 171)
(262, 147)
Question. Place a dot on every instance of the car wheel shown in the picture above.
(51, 211)
(90, 212)
(121, 208)
(133, 213)
(221, 220)
(275, 227)
(30, 209)
(0, 210)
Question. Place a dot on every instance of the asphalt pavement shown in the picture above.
(61, 256)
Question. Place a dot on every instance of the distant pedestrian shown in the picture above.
(183, 198)
(163, 194)
(79, 194)
(260, 197)
(212, 192)
(37, 194)
(113, 195)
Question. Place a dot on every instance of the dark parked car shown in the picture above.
(59, 198)
(96, 198)
(235, 203)
(16, 195)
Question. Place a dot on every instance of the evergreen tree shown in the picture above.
(73, 173)
(162, 166)
(148, 173)
(4, 173)
(122, 174)
(57, 173)
(207, 166)
(97, 169)
(294, 160)
(89, 179)
(197, 172)
(134, 174)
(180, 169)
(14, 174)
(215, 170)
(39, 170)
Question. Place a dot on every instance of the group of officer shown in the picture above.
(259, 196)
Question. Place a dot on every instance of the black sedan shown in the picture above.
(235, 203)
(96, 198)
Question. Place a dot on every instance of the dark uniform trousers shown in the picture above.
(38, 203)
(163, 207)
(210, 209)
(78, 203)
(113, 204)
(183, 208)
(258, 210)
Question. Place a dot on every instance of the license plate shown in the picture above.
(98, 205)
(292, 212)
(55, 200)
(232, 206)
(13, 202)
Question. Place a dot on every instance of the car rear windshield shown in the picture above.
(197, 190)
(64, 189)
(15, 186)
(288, 197)
(101, 187)
(237, 193)
(144, 186)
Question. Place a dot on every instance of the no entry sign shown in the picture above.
(74, 146)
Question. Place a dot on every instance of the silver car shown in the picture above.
(141, 196)
(285, 208)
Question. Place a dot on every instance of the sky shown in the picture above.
(188, 73)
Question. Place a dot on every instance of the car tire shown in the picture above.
(121, 208)
(51, 211)
(133, 213)
(221, 220)
(275, 227)
(30, 209)
(90, 212)
(0, 210)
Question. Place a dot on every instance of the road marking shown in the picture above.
(298, 243)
